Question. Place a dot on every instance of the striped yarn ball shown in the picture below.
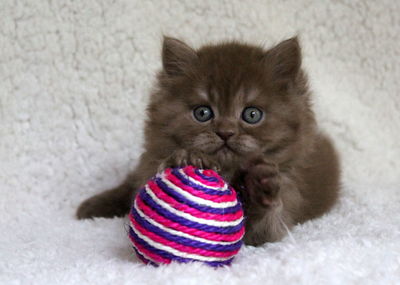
(186, 214)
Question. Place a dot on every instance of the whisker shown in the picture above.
(287, 230)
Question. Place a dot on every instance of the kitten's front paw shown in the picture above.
(261, 182)
(181, 158)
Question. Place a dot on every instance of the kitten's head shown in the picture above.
(229, 100)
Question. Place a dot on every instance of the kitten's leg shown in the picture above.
(117, 202)
(111, 203)
(271, 201)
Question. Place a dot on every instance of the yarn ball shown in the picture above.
(184, 215)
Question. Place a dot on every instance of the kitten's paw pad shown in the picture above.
(182, 158)
(262, 182)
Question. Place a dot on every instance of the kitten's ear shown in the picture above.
(285, 60)
(176, 56)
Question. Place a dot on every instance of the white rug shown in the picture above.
(74, 82)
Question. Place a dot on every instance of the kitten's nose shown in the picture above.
(225, 135)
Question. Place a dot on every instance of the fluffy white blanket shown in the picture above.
(74, 82)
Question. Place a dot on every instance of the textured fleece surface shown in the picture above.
(74, 82)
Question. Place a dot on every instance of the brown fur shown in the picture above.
(285, 170)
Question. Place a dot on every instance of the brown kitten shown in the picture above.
(244, 111)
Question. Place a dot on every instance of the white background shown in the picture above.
(74, 82)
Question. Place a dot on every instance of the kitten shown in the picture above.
(245, 112)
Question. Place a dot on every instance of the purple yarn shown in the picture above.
(180, 198)
(171, 216)
(183, 240)
(209, 191)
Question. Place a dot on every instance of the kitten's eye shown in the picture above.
(203, 113)
(252, 115)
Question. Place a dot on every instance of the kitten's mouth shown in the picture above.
(224, 148)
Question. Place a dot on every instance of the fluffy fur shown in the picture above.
(286, 171)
